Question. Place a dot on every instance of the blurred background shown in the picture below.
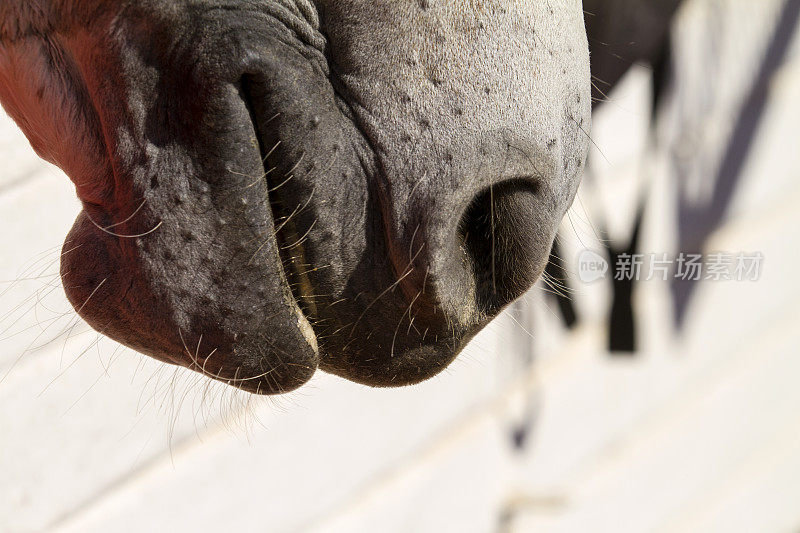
(649, 402)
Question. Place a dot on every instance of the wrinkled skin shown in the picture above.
(273, 186)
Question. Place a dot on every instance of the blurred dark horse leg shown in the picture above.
(621, 33)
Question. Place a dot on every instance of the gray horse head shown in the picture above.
(273, 186)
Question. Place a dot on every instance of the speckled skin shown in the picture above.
(270, 187)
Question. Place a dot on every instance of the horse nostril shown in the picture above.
(502, 236)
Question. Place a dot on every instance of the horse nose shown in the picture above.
(501, 244)
(486, 252)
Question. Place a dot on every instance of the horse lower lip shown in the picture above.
(292, 253)
(288, 243)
